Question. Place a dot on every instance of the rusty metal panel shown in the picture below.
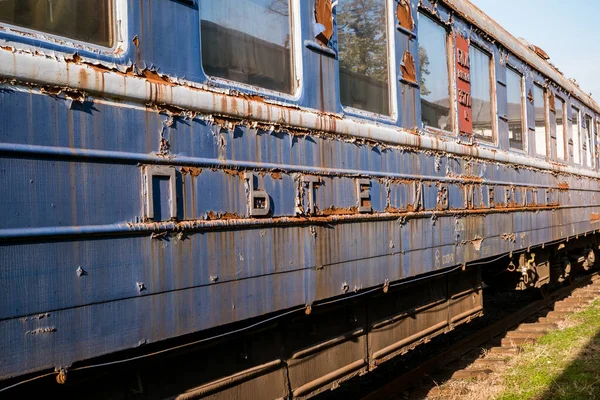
(248, 384)
(399, 321)
(332, 344)
(465, 295)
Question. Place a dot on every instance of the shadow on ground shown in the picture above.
(581, 379)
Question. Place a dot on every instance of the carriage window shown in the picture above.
(560, 129)
(363, 55)
(514, 87)
(481, 93)
(576, 132)
(248, 41)
(433, 79)
(540, 120)
(88, 21)
(587, 141)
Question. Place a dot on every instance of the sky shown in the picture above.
(569, 31)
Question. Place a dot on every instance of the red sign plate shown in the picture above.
(463, 86)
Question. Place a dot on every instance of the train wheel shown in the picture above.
(591, 259)
(567, 273)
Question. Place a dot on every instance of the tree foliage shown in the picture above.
(362, 38)
(424, 64)
(280, 7)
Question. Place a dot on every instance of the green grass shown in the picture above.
(564, 364)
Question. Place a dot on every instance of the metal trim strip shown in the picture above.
(39, 70)
(136, 158)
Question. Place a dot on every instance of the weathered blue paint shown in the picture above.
(73, 198)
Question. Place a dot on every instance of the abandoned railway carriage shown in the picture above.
(262, 198)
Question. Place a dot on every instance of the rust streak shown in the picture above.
(213, 216)
(276, 175)
(227, 220)
(509, 237)
(339, 211)
(552, 102)
(155, 77)
(234, 172)
(391, 209)
(193, 171)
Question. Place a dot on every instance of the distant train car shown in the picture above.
(272, 196)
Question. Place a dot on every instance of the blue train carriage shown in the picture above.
(290, 191)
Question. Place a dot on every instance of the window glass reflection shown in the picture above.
(248, 41)
(481, 92)
(576, 132)
(540, 120)
(433, 79)
(363, 55)
(560, 129)
(587, 140)
(514, 88)
(596, 141)
(88, 21)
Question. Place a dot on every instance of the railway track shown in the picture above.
(507, 334)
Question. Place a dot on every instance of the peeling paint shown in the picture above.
(293, 128)
(193, 171)
(476, 242)
(339, 211)
(214, 216)
(324, 16)
(404, 15)
(409, 72)
(509, 237)
(35, 317)
(48, 329)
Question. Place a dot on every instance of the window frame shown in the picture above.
(452, 90)
(392, 66)
(493, 97)
(296, 60)
(524, 127)
(118, 27)
(546, 121)
(589, 141)
(565, 129)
